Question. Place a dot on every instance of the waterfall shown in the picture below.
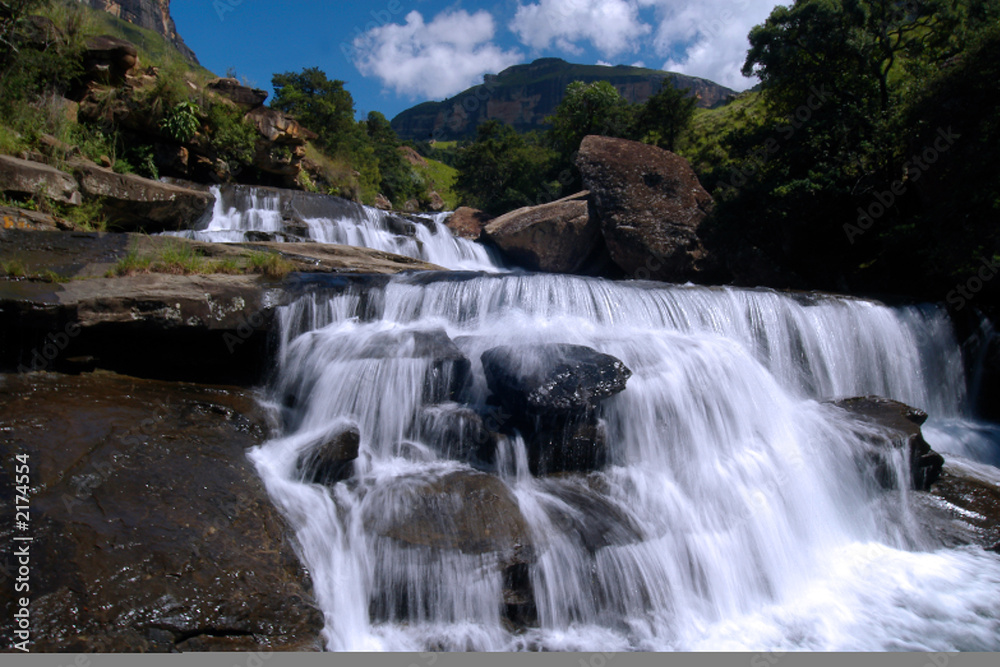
(732, 514)
(245, 213)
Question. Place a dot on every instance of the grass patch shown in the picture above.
(271, 264)
(130, 265)
(13, 268)
(441, 178)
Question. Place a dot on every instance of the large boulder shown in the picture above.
(888, 425)
(552, 378)
(551, 393)
(556, 238)
(332, 460)
(26, 178)
(133, 202)
(650, 206)
(280, 128)
(152, 531)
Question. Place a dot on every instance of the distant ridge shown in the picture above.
(523, 95)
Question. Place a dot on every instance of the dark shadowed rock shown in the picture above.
(449, 371)
(459, 433)
(972, 501)
(108, 59)
(577, 443)
(468, 223)
(552, 378)
(466, 511)
(152, 531)
(593, 518)
(331, 461)
(242, 96)
(555, 238)
(27, 178)
(650, 206)
(896, 426)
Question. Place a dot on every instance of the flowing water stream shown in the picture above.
(732, 514)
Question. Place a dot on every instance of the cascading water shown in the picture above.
(731, 515)
(245, 213)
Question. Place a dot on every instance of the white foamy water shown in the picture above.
(240, 212)
(738, 515)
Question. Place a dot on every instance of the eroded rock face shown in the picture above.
(555, 238)
(245, 97)
(896, 426)
(650, 206)
(27, 178)
(152, 530)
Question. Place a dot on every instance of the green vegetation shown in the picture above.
(180, 122)
(182, 258)
(269, 263)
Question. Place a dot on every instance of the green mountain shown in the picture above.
(523, 95)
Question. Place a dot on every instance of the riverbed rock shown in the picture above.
(587, 514)
(332, 460)
(33, 179)
(552, 378)
(650, 205)
(555, 238)
(465, 511)
(449, 372)
(896, 426)
(459, 433)
(152, 531)
(973, 503)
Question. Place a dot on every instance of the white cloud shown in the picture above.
(435, 59)
(713, 34)
(612, 26)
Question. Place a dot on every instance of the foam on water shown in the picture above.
(759, 529)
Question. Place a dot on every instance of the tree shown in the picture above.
(322, 105)
(665, 115)
(501, 170)
(589, 108)
(398, 181)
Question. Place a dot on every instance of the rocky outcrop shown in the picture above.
(245, 97)
(888, 425)
(524, 95)
(551, 393)
(650, 206)
(109, 59)
(468, 223)
(216, 326)
(133, 202)
(24, 178)
(152, 531)
(150, 14)
(972, 503)
(556, 238)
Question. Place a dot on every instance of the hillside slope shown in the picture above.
(149, 14)
(523, 95)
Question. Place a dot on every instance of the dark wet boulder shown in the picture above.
(973, 503)
(586, 513)
(464, 511)
(332, 460)
(888, 425)
(152, 530)
(565, 444)
(459, 433)
(552, 378)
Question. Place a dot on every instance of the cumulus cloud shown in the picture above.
(435, 59)
(709, 35)
(612, 26)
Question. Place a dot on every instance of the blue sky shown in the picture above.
(394, 54)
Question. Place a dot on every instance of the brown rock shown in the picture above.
(279, 128)
(465, 511)
(468, 223)
(382, 202)
(152, 531)
(245, 97)
(133, 202)
(331, 460)
(108, 59)
(23, 177)
(436, 202)
(556, 237)
(412, 156)
(649, 204)
(897, 426)
(973, 502)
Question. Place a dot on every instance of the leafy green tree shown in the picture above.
(398, 181)
(589, 108)
(666, 114)
(322, 105)
(501, 170)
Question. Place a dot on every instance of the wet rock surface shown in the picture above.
(896, 426)
(152, 531)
